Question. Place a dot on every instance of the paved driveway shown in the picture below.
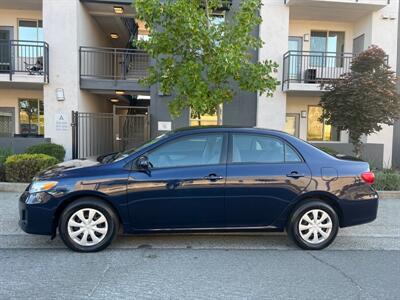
(363, 263)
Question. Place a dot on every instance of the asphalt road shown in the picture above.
(363, 263)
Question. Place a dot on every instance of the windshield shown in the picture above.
(126, 153)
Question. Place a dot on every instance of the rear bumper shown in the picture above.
(356, 212)
(35, 218)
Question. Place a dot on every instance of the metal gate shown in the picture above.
(6, 125)
(94, 134)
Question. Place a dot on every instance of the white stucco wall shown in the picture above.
(67, 26)
(274, 30)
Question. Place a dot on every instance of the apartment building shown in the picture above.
(69, 73)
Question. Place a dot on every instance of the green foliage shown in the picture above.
(388, 180)
(4, 153)
(23, 167)
(328, 150)
(198, 60)
(54, 150)
(364, 99)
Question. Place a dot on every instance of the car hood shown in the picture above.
(67, 166)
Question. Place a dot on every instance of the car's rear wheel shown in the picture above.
(88, 225)
(313, 225)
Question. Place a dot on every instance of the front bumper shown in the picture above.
(356, 212)
(35, 218)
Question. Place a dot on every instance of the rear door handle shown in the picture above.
(295, 175)
(213, 177)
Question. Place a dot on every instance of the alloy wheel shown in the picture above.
(87, 227)
(315, 226)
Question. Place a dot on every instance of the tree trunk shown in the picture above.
(356, 141)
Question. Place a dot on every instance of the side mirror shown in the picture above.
(143, 163)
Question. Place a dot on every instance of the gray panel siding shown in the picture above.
(396, 145)
(19, 144)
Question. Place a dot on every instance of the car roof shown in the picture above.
(227, 128)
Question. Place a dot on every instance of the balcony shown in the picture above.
(305, 71)
(24, 63)
(333, 10)
(111, 69)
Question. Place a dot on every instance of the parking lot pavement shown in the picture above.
(363, 263)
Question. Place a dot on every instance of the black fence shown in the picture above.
(94, 134)
(24, 57)
(113, 63)
(314, 67)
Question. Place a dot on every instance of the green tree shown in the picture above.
(363, 99)
(198, 59)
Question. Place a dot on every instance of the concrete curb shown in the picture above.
(14, 187)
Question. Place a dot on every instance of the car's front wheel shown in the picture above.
(314, 225)
(88, 225)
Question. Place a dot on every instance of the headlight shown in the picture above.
(42, 186)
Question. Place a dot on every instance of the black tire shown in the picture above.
(299, 212)
(89, 203)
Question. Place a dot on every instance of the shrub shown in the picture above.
(54, 150)
(4, 153)
(387, 180)
(23, 167)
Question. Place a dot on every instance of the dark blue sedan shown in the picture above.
(202, 179)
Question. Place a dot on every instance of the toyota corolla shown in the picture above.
(202, 179)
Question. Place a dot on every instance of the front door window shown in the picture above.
(31, 117)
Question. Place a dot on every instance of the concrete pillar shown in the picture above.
(274, 31)
(60, 20)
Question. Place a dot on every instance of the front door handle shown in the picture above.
(213, 177)
(295, 175)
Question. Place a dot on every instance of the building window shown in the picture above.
(31, 117)
(318, 131)
(327, 48)
(30, 30)
(207, 119)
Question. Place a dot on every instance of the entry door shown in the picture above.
(131, 127)
(185, 186)
(264, 176)
(292, 124)
(5, 49)
(295, 44)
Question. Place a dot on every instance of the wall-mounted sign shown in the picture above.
(164, 126)
(61, 121)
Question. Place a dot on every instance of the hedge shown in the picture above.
(388, 180)
(4, 153)
(54, 150)
(23, 167)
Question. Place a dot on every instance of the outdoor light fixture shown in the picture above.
(303, 114)
(60, 94)
(114, 100)
(118, 10)
(114, 35)
(119, 92)
(306, 37)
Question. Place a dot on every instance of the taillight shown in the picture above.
(368, 177)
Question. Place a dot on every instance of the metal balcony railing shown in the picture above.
(29, 58)
(113, 63)
(314, 67)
